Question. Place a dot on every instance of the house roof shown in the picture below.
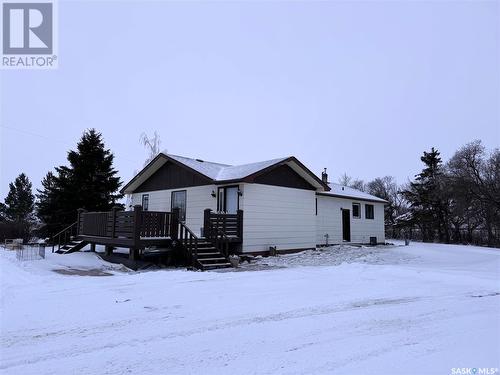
(337, 190)
(222, 173)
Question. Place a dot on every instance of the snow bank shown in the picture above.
(422, 309)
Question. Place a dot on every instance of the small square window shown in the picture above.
(145, 202)
(356, 210)
(369, 211)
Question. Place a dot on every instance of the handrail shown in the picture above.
(65, 231)
(223, 245)
(215, 232)
(190, 242)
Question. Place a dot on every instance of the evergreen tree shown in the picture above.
(2, 212)
(19, 205)
(428, 198)
(20, 201)
(47, 208)
(89, 181)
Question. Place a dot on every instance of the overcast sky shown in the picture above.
(358, 87)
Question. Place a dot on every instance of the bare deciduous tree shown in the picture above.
(152, 145)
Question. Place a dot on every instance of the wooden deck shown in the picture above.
(139, 229)
(135, 229)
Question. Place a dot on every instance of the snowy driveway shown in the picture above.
(422, 309)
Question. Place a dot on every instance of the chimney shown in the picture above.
(324, 176)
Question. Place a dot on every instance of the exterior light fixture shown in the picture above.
(240, 193)
(213, 193)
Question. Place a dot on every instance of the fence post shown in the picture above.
(80, 211)
(113, 216)
(137, 224)
(206, 223)
(174, 224)
(239, 216)
(137, 232)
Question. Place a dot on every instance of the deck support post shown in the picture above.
(108, 250)
(133, 253)
(92, 247)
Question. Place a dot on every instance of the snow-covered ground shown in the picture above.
(421, 309)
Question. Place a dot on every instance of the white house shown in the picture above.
(281, 202)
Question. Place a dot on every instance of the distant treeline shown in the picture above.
(453, 202)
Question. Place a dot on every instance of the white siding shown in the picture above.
(329, 220)
(277, 216)
(197, 199)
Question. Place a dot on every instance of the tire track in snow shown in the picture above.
(79, 349)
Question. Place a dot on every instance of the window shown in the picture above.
(228, 199)
(369, 211)
(316, 206)
(179, 201)
(356, 210)
(145, 202)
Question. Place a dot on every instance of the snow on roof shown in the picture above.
(240, 171)
(223, 172)
(206, 168)
(346, 191)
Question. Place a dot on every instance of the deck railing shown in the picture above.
(229, 224)
(128, 226)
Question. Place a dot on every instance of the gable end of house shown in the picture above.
(172, 176)
(283, 176)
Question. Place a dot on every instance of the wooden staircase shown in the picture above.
(202, 253)
(209, 257)
(73, 245)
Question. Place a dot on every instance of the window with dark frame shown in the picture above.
(356, 210)
(145, 202)
(369, 211)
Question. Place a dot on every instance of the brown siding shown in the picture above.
(284, 176)
(171, 176)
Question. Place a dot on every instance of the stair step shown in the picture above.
(216, 265)
(71, 248)
(216, 253)
(208, 250)
(202, 260)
